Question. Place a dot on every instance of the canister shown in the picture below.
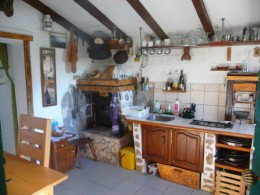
(127, 157)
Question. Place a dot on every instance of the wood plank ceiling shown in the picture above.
(160, 19)
(135, 4)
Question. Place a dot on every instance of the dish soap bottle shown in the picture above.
(176, 107)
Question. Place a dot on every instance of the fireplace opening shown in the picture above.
(102, 110)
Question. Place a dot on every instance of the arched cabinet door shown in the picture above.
(187, 149)
(156, 144)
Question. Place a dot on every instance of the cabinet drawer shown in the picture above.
(59, 145)
(244, 87)
(180, 176)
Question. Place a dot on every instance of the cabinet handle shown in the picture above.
(177, 170)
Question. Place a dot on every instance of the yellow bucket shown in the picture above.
(127, 158)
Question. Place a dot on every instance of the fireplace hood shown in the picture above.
(113, 85)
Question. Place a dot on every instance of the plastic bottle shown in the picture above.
(157, 106)
(176, 107)
(169, 109)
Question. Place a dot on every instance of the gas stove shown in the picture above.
(222, 125)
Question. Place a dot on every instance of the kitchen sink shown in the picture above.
(162, 118)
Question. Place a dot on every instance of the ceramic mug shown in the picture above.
(167, 42)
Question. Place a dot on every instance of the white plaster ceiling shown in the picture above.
(173, 16)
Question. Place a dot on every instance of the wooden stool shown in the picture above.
(78, 143)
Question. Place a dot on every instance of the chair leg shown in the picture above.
(79, 157)
(93, 151)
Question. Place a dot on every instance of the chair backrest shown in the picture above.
(34, 139)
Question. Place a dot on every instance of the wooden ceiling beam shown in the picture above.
(204, 17)
(96, 13)
(140, 9)
(59, 19)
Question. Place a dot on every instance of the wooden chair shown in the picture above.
(34, 139)
(227, 183)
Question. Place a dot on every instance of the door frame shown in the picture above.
(27, 63)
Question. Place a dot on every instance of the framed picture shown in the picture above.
(48, 77)
(58, 40)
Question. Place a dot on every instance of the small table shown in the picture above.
(29, 178)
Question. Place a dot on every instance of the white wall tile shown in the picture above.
(211, 98)
(221, 113)
(212, 87)
(171, 96)
(159, 95)
(199, 112)
(210, 112)
(222, 99)
(188, 87)
(197, 97)
(184, 97)
(159, 85)
(223, 88)
(197, 87)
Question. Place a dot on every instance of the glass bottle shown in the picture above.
(181, 81)
(176, 80)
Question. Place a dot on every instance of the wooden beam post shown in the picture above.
(92, 10)
(59, 19)
(28, 77)
(145, 15)
(204, 17)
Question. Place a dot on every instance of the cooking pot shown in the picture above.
(121, 57)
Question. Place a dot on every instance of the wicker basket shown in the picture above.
(227, 183)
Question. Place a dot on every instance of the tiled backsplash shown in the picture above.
(210, 100)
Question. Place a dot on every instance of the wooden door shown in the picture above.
(187, 151)
(156, 143)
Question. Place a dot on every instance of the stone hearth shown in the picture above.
(106, 145)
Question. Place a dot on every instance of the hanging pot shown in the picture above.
(121, 57)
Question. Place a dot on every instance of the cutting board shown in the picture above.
(108, 72)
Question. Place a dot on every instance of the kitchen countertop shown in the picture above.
(239, 130)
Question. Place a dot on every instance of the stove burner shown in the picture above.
(222, 125)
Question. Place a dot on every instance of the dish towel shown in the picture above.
(114, 116)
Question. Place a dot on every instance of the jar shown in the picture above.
(251, 97)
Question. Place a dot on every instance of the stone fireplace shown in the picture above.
(99, 126)
(99, 129)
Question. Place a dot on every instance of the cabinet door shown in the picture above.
(156, 143)
(188, 149)
(70, 157)
(60, 160)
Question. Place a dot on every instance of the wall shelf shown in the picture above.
(232, 168)
(105, 85)
(210, 44)
(175, 90)
(220, 145)
(244, 102)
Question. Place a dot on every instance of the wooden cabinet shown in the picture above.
(62, 156)
(187, 149)
(181, 148)
(156, 142)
